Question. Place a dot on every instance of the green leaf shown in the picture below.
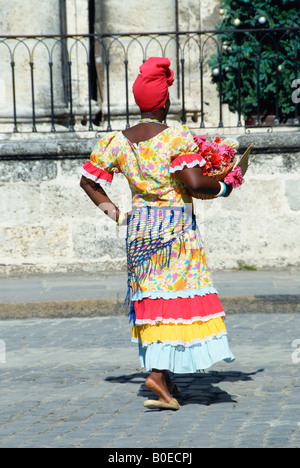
(262, 46)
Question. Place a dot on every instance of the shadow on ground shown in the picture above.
(195, 388)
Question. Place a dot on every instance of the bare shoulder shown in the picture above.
(143, 132)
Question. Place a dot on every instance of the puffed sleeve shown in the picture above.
(185, 151)
(103, 161)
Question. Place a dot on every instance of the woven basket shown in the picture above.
(220, 176)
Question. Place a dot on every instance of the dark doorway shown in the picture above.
(93, 72)
(64, 52)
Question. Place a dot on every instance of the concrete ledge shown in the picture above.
(64, 147)
(281, 304)
(85, 295)
(63, 309)
(273, 303)
(44, 149)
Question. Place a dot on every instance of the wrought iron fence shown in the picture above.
(83, 82)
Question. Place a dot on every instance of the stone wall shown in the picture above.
(49, 225)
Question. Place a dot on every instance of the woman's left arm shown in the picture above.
(100, 198)
(194, 180)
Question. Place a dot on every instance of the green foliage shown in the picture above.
(247, 267)
(268, 55)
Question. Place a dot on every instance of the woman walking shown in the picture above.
(178, 320)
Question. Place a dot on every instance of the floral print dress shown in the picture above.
(178, 317)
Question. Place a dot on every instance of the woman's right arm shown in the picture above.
(96, 193)
(195, 181)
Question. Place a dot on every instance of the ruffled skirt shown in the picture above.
(179, 319)
(181, 335)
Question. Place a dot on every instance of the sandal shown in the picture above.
(154, 404)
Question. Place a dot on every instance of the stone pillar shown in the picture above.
(30, 59)
(78, 23)
(113, 16)
(26, 18)
(201, 15)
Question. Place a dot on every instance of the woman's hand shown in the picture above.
(228, 190)
(122, 217)
(99, 197)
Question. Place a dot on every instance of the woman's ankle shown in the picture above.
(156, 382)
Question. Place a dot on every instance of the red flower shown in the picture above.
(206, 168)
(226, 158)
(217, 154)
(216, 160)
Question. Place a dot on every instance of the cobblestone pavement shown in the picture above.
(75, 383)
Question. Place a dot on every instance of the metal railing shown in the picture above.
(82, 82)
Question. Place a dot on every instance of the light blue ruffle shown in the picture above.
(185, 360)
(185, 293)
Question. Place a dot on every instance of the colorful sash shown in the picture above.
(151, 232)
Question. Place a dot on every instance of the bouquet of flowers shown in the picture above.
(220, 159)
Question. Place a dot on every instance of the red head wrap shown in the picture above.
(151, 88)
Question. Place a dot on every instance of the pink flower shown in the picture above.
(199, 140)
(206, 145)
(217, 153)
(230, 150)
(235, 177)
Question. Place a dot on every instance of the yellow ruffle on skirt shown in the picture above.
(178, 333)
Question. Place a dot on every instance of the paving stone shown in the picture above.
(75, 383)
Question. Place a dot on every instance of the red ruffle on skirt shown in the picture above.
(178, 310)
